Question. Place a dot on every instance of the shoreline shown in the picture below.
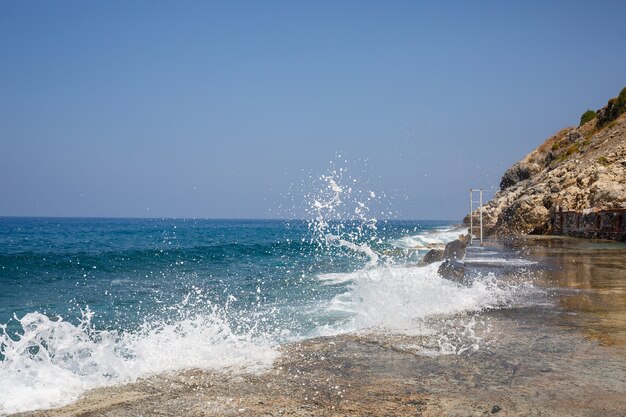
(562, 357)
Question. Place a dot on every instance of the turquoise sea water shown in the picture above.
(126, 270)
(86, 303)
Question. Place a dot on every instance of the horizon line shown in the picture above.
(198, 218)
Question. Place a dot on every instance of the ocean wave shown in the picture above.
(53, 361)
(429, 239)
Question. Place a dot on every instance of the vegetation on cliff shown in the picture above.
(614, 109)
(587, 116)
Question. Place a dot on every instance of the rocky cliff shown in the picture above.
(579, 168)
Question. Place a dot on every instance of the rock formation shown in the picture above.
(450, 269)
(454, 251)
(579, 168)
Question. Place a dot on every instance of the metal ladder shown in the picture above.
(472, 193)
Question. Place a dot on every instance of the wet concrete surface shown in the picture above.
(563, 354)
(586, 278)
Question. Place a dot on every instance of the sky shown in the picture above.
(231, 109)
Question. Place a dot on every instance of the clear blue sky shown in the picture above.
(220, 108)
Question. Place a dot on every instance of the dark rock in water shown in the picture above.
(455, 250)
(433, 255)
(453, 271)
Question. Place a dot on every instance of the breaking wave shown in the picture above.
(53, 361)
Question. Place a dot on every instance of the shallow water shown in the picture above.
(585, 278)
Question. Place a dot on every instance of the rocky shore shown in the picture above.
(580, 169)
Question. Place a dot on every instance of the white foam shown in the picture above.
(54, 361)
(397, 298)
(334, 278)
(428, 239)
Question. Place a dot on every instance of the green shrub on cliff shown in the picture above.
(587, 116)
(572, 149)
(614, 109)
(620, 103)
(603, 161)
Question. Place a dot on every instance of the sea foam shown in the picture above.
(430, 238)
(55, 361)
(396, 298)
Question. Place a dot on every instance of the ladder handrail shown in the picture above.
(480, 213)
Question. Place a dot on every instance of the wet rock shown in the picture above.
(455, 249)
(452, 271)
(432, 256)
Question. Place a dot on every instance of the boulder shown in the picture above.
(455, 250)
(518, 172)
(432, 256)
(452, 271)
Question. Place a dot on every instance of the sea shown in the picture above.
(93, 302)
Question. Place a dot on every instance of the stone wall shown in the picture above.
(602, 224)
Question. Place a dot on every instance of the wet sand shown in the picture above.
(563, 355)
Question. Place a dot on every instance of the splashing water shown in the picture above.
(54, 361)
(339, 215)
(385, 294)
(401, 299)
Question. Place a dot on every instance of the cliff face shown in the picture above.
(580, 168)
